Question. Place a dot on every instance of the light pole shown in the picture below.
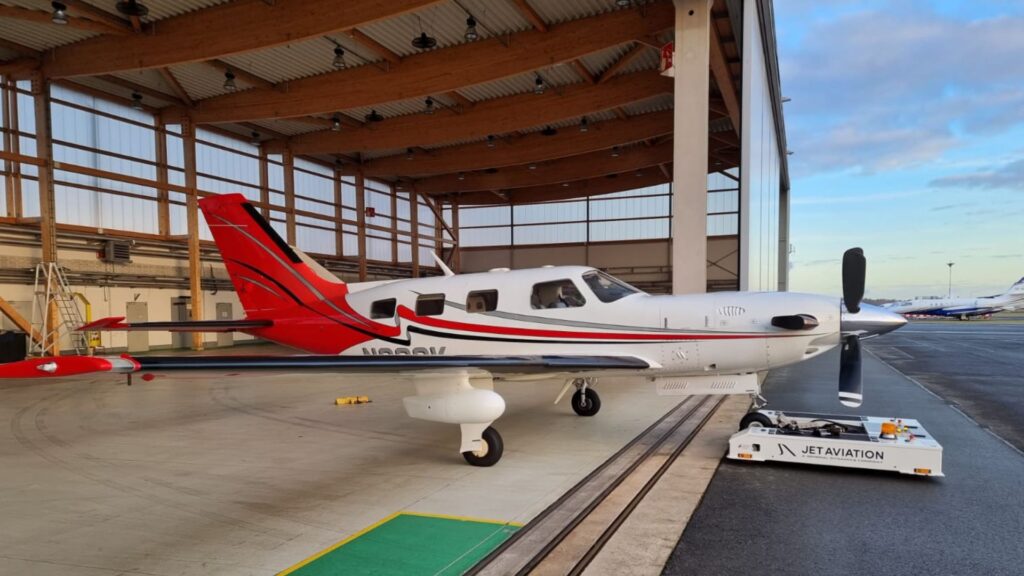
(950, 292)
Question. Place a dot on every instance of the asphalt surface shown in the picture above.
(766, 518)
(977, 365)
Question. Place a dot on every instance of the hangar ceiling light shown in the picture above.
(549, 131)
(616, 151)
(429, 105)
(622, 3)
(374, 116)
(339, 58)
(229, 81)
(409, 153)
(132, 8)
(136, 101)
(583, 124)
(490, 141)
(538, 85)
(424, 42)
(254, 138)
(471, 33)
(60, 13)
(336, 123)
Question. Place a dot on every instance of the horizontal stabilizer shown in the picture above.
(393, 364)
(117, 323)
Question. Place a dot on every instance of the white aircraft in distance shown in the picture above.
(453, 336)
(963, 308)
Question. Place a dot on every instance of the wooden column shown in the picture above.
(163, 206)
(456, 249)
(339, 227)
(414, 227)
(438, 235)
(264, 183)
(361, 219)
(288, 160)
(47, 204)
(195, 271)
(394, 225)
(690, 146)
(9, 140)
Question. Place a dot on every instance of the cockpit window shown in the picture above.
(556, 294)
(608, 288)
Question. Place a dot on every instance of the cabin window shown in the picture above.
(482, 301)
(608, 288)
(430, 305)
(383, 308)
(556, 294)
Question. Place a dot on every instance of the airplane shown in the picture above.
(963, 308)
(453, 336)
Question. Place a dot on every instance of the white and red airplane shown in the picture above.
(453, 336)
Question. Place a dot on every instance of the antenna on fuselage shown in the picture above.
(444, 267)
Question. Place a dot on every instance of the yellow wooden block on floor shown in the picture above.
(345, 400)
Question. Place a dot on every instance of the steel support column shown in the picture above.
(690, 146)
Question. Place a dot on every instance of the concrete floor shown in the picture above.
(776, 518)
(251, 474)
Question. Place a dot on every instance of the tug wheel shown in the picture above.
(586, 404)
(491, 448)
(752, 417)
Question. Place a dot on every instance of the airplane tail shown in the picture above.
(1017, 289)
(268, 274)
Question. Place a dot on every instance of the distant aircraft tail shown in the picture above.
(1017, 289)
(268, 274)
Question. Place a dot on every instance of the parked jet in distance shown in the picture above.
(453, 336)
(963, 308)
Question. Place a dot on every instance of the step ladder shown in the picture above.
(51, 286)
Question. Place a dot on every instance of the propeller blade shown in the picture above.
(850, 381)
(854, 268)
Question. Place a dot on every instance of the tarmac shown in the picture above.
(777, 518)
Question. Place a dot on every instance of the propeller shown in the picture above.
(851, 382)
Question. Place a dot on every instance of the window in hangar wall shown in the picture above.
(640, 214)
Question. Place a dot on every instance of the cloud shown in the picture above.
(878, 90)
(1009, 176)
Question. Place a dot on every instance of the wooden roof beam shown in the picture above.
(534, 147)
(41, 17)
(496, 116)
(619, 64)
(531, 15)
(567, 190)
(83, 9)
(570, 169)
(179, 90)
(431, 72)
(723, 78)
(583, 72)
(144, 90)
(376, 47)
(204, 34)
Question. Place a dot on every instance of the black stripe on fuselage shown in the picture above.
(269, 231)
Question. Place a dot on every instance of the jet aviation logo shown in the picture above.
(855, 453)
(783, 449)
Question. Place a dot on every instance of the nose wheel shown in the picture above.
(490, 451)
(586, 402)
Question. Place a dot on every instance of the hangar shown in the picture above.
(642, 138)
(494, 134)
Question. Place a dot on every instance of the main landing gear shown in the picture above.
(490, 451)
(585, 401)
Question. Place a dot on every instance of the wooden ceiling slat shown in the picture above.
(589, 187)
(438, 71)
(497, 116)
(218, 31)
(534, 147)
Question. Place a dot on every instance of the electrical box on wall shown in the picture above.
(117, 252)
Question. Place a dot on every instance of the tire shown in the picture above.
(752, 417)
(586, 406)
(490, 453)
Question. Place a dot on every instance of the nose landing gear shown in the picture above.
(585, 401)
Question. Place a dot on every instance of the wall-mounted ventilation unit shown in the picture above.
(117, 252)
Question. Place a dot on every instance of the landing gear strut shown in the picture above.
(491, 448)
(585, 401)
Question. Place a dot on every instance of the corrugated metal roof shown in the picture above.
(500, 17)
(203, 80)
(554, 76)
(122, 91)
(39, 36)
(390, 109)
(149, 78)
(159, 9)
(301, 59)
(556, 11)
(654, 104)
(288, 127)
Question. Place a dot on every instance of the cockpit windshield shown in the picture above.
(608, 288)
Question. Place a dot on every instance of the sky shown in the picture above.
(906, 127)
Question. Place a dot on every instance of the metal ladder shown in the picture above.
(52, 286)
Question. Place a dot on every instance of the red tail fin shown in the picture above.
(268, 274)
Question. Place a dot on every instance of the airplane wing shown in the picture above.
(117, 323)
(56, 366)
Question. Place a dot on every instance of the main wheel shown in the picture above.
(586, 404)
(752, 417)
(491, 448)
